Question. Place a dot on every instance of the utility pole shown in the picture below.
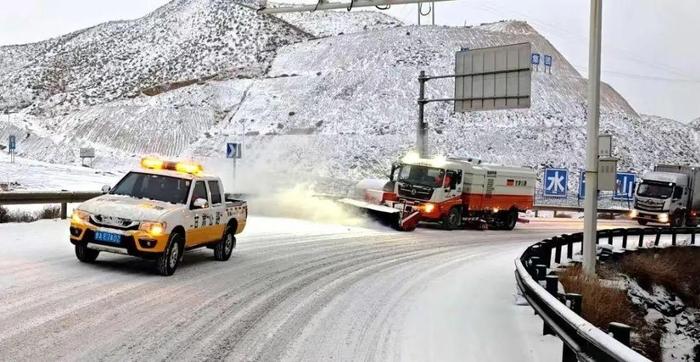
(590, 204)
(421, 132)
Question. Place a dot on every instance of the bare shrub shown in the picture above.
(50, 212)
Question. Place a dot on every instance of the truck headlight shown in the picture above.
(153, 228)
(428, 208)
(634, 213)
(663, 217)
(80, 217)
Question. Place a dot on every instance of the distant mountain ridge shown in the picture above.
(183, 40)
(331, 94)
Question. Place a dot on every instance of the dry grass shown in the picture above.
(675, 268)
(618, 308)
(603, 304)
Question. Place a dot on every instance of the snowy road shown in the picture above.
(293, 290)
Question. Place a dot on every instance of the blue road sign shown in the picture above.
(535, 58)
(233, 150)
(624, 190)
(555, 182)
(547, 60)
(582, 185)
(13, 143)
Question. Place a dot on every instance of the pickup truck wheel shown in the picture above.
(224, 249)
(642, 222)
(86, 255)
(170, 259)
(453, 219)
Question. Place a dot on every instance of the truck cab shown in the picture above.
(667, 196)
(159, 212)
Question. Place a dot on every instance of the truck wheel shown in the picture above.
(453, 219)
(170, 259)
(642, 222)
(224, 248)
(86, 255)
(510, 219)
(678, 220)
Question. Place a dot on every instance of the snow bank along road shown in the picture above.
(293, 290)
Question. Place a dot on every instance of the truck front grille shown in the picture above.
(648, 205)
(114, 222)
(415, 192)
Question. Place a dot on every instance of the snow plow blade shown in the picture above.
(384, 214)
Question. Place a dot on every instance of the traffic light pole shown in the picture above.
(590, 205)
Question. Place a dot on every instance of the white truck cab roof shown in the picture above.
(670, 177)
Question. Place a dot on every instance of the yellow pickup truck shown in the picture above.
(158, 212)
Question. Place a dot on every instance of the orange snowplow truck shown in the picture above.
(453, 192)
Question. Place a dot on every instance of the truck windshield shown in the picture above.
(422, 175)
(655, 189)
(154, 187)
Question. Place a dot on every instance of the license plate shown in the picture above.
(108, 237)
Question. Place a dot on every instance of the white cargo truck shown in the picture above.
(668, 195)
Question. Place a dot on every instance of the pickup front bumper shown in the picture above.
(133, 242)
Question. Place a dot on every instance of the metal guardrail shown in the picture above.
(557, 208)
(46, 197)
(582, 340)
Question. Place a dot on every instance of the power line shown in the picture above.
(642, 76)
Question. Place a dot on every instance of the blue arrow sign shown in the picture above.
(535, 58)
(13, 143)
(233, 150)
(555, 182)
(624, 189)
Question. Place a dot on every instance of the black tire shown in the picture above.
(510, 219)
(224, 248)
(642, 222)
(168, 261)
(678, 220)
(86, 255)
(453, 219)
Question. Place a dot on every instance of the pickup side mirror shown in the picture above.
(200, 203)
(106, 189)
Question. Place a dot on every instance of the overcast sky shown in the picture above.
(650, 47)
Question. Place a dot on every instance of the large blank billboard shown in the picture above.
(493, 78)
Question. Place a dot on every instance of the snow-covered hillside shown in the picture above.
(181, 42)
(312, 103)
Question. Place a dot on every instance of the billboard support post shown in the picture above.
(590, 203)
(422, 127)
(486, 79)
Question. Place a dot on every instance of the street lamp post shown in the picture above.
(591, 199)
